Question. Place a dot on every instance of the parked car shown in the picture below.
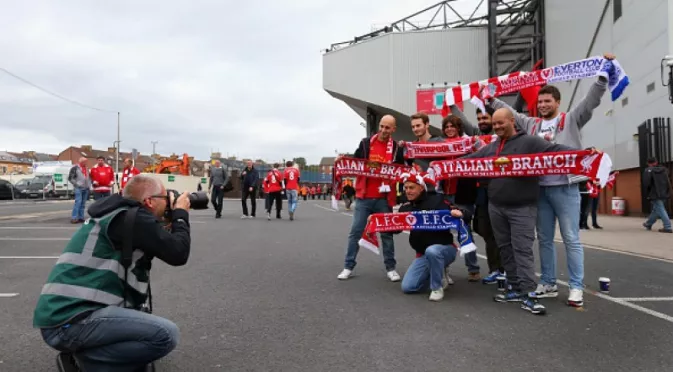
(6, 190)
(20, 186)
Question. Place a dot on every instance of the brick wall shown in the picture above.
(627, 187)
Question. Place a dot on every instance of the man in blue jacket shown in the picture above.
(249, 181)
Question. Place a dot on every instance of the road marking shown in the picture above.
(347, 214)
(32, 215)
(603, 296)
(7, 295)
(643, 299)
(35, 239)
(639, 255)
(23, 257)
(38, 228)
(325, 208)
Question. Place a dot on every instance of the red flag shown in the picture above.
(530, 94)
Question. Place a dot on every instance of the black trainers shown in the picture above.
(66, 363)
(509, 296)
(530, 304)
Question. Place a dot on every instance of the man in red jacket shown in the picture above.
(102, 179)
(275, 183)
(374, 196)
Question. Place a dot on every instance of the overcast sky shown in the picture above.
(241, 77)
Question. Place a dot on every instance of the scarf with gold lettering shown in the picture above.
(346, 166)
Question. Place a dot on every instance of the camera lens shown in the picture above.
(198, 200)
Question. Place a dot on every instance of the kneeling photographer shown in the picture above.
(93, 307)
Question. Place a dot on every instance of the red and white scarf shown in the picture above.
(347, 166)
(584, 163)
(389, 147)
(451, 148)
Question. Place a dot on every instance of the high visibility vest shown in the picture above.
(89, 275)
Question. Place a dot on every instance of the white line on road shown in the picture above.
(7, 295)
(643, 299)
(621, 252)
(35, 239)
(26, 257)
(37, 227)
(325, 208)
(615, 300)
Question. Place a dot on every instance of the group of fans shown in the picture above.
(509, 213)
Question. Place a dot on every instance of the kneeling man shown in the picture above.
(434, 249)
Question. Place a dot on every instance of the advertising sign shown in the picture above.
(430, 100)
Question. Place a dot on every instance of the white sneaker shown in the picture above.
(268, 216)
(544, 291)
(244, 217)
(345, 274)
(437, 295)
(445, 278)
(394, 276)
(575, 298)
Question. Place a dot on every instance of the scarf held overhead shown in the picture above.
(415, 221)
(347, 166)
(584, 163)
(514, 82)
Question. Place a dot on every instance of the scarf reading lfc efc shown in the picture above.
(584, 163)
(514, 82)
(416, 220)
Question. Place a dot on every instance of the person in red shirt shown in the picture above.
(312, 190)
(275, 184)
(265, 191)
(129, 171)
(102, 179)
(374, 196)
(291, 176)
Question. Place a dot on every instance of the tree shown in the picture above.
(260, 161)
(301, 162)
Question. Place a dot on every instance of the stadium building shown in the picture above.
(406, 66)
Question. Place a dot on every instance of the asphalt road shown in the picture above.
(262, 295)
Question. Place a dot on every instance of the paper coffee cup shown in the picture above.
(604, 284)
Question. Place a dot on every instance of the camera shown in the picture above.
(197, 200)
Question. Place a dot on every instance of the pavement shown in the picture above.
(260, 295)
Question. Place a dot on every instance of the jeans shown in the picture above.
(658, 211)
(253, 201)
(81, 196)
(471, 259)
(427, 271)
(217, 198)
(514, 230)
(115, 339)
(100, 195)
(291, 200)
(363, 209)
(562, 202)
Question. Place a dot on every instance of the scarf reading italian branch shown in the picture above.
(584, 163)
(417, 220)
(347, 166)
(514, 82)
(449, 149)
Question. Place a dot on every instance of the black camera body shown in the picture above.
(197, 200)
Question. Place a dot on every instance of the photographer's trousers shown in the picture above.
(216, 197)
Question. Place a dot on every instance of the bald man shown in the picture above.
(513, 209)
(374, 196)
(81, 182)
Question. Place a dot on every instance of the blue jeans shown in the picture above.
(81, 196)
(363, 209)
(471, 259)
(115, 339)
(658, 211)
(427, 271)
(291, 200)
(562, 202)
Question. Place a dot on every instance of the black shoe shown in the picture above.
(596, 226)
(66, 363)
(666, 231)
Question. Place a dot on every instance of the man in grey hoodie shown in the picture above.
(81, 183)
(513, 209)
(560, 195)
(218, 179)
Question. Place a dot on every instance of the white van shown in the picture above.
(51, 179)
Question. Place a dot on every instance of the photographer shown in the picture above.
(88, 309)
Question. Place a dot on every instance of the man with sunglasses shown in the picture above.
(88, 309)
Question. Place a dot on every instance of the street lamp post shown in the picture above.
(117, 152)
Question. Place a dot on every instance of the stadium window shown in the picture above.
(625, 101)
(617, 9)
(650, 87)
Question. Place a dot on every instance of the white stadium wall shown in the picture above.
(385, 71)
(640, 39)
